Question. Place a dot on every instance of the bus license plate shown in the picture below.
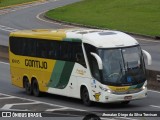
(127, 97)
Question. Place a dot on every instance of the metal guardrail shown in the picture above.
(158, 78)
(4, 53)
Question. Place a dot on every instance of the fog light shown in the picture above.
(106, 97)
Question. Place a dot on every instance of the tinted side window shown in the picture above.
(53, 50)
(29, 48)
(78, 55)
(16, 45)
(71, 51)
(92, 61)
(23, 46)
(65, 51)
(42, 48)
(49, 49)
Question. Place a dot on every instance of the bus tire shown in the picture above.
(85, 97)
(27, 86)
(35, 87)
(125, 102)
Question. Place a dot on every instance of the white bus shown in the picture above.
(93, 65)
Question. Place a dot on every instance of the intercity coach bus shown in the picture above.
(92, 65)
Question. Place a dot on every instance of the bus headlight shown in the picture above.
(109, 91)
(144, 87)
(105, 89)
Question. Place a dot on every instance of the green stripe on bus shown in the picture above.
(72, 40)
(61, 74)
(66, 74)
(140, 85)
(57, 71)
(136, 86)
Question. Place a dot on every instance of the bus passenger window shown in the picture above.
(52, 50)
(42, 48)
(78, 55)
(65, 51)
(94, 68)
(79, 58)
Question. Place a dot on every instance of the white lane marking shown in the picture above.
(8, 10)
(52, 22)
(155, 106)
(148, 90)
(4, 63)
(154, 41)
(10, 97)
(5, 95)
(68, 107)
(45, 103)
(57, 109)
(154, 91)
(8, 106)
(8, 29)
(14, 110)
(5, 30)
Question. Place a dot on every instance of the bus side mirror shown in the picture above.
(149, 58)
(99, 60)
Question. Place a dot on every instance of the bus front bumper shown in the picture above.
(109, 97)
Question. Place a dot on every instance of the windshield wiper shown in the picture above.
(120, 66)
(121, 72)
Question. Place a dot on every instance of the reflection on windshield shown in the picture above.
(122, 66)
(131, 57)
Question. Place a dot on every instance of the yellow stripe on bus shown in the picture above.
(119, 89)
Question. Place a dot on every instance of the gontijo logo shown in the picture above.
(36, 64)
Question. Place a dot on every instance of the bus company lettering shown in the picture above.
(120, 89)
(81, 72)
(15, 61)
(36, 64)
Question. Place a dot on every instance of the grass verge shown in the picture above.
(137, 16)
(4, 3)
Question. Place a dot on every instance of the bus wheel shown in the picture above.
(85, 97)
(27, 86)
(91, 117)
(125, 102)
(35, 88)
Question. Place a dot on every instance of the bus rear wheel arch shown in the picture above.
(85, 96)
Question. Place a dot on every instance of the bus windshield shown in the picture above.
(122, 66)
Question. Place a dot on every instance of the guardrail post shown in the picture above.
(158, 78)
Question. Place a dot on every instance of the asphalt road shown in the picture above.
(13, 98)
(25, 18)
